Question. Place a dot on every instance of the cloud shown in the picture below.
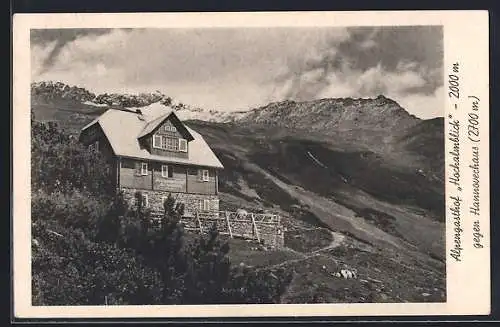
(232, 69)
(58, 38)
(424, 106)
(368, 63)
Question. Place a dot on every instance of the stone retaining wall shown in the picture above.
(269, 233)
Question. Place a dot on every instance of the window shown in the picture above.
(166, 143)
(172, 144)
(94, 147)
(145, 200)
(167, 171)
(144, 168)
(204, 205)
(203, 174)
(169, 127)
(183, 145)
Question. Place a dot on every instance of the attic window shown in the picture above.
(170, 128)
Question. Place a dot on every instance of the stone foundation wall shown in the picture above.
(271, 234)
(157, 198)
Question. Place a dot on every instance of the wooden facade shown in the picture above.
(184, 179)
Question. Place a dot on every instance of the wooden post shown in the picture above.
(216, 182)
(199, 222)
(118, 169)
(276, 229)
(256, 232)
(152, 175)
(229, 225)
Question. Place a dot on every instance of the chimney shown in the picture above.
(139, 114)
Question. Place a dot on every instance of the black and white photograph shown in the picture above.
(243, 165)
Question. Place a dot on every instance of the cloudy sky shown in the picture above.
(236, 69)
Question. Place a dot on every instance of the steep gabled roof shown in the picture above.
(124, 128)
(156, 123)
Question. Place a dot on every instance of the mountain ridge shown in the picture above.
(344, 113)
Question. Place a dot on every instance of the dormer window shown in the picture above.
(169, 143)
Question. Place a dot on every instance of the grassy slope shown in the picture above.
(356, 183)
(371, 196)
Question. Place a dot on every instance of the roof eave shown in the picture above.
(170, 160)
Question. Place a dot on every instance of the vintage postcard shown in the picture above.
(251, 164)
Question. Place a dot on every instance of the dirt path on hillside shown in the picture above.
(344, 220)
(337, 217)
(337, 240)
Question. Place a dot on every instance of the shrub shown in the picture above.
(70, 269)
(78, 210)
(60, 163)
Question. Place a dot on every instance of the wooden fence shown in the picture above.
(266, 228)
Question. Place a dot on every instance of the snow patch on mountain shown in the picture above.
(186, 113)
(95, 104)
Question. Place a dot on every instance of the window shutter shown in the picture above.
(144, 168)
(157, 141)
(137, 168)
(200, 174)
(182, 145)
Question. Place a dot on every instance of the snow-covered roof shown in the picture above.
(124, 128)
